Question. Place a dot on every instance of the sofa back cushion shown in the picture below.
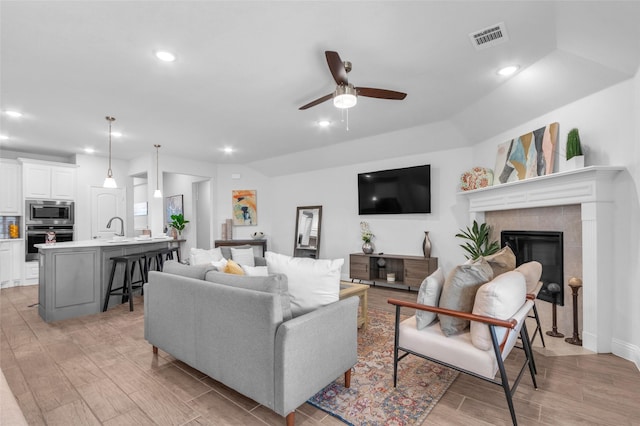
(203, 256)
(176, 268)
(226, 250)
(459, 293)
(275, 283)
(502, 261)
(312, 282)
(500, 298)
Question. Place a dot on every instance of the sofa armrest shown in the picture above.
(312, 350)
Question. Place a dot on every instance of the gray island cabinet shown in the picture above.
(74, 275)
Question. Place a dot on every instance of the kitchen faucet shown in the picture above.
(121, 234)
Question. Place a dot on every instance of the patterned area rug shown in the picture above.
(372, 399)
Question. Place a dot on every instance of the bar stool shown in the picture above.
(128, 285)
(154, 261)
(168, 254)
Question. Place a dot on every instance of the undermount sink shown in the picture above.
(118, 238)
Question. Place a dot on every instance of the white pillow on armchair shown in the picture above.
(312, 282)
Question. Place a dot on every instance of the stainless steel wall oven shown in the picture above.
(44, 216)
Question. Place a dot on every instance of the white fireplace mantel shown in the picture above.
(592, 188)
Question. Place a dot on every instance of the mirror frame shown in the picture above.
(301, 250)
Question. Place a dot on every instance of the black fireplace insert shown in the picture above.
(545, 247)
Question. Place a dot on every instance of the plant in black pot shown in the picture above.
(478, 243)
(178, 223)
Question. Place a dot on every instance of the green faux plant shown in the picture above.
(178, 222)
(478, 244)
(573, 144)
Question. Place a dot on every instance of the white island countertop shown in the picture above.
(104, 243)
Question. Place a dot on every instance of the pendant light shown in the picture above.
(157, 193)
(109, 181)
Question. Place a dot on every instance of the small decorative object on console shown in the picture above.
(257, 235)
(367, 236)
(477, 177)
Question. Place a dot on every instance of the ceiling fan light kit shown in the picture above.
(345, 97)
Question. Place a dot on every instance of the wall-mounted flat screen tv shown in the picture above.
(395, 191)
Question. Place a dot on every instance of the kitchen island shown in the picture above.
(74, 275)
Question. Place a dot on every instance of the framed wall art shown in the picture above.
(174, 206)
(245, 207)
(526, 156)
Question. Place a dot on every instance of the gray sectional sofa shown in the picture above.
(239, 331)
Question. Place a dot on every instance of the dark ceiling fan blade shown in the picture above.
(380, 93)
(336, 66)
(317, 101)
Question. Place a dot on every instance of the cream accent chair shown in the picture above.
(481, 349)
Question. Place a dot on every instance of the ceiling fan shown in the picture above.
(346, 95)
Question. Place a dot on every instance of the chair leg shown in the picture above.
(128, 279)
(528, 350)
(503, 373)
(106, 297)
(538, 330)
(396, 340)
(347, 378)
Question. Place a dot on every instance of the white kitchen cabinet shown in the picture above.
(11, 256)
(55, 181)
(10, 188)
(31, 272)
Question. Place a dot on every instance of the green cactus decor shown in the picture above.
(573, 144)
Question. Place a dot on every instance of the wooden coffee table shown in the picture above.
(348, 289)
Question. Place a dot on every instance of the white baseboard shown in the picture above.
(627, 351)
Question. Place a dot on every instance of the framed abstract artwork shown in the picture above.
(174, 206)
(245, 207)
(526, 156)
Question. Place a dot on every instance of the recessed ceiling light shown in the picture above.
(324, 123)
(227, 150)
(165, 56)
(4, 137)
(89, 150)
(14, 114)
(116, 134)
(508, 70)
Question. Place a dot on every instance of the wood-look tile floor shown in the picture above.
(99, 370)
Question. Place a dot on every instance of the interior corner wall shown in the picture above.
(336, 190)
(608, 123)
(232, 177)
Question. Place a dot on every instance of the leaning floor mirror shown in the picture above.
(308, 223)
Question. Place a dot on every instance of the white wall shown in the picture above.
(91, 173)
(232, 177)
(608, 122)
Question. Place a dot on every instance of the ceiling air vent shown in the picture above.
(490, 36)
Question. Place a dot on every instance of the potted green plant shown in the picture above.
(178, 223)
(478, 244)
(575, 158)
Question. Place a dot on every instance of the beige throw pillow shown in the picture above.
(459, 293)
(500, 298)
(532, 272)
(429, 294)
(502, 261)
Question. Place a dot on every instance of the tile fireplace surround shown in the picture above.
(591, 188)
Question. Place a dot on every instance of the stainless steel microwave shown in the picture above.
(49, 212)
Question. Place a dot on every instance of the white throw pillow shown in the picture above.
(220, 265)
(243, 256)
(312, 282)
(500, 298)
(256, 271)
(429, 294)
(204, 257)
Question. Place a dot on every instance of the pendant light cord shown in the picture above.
(110, 120)
(157, 166)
